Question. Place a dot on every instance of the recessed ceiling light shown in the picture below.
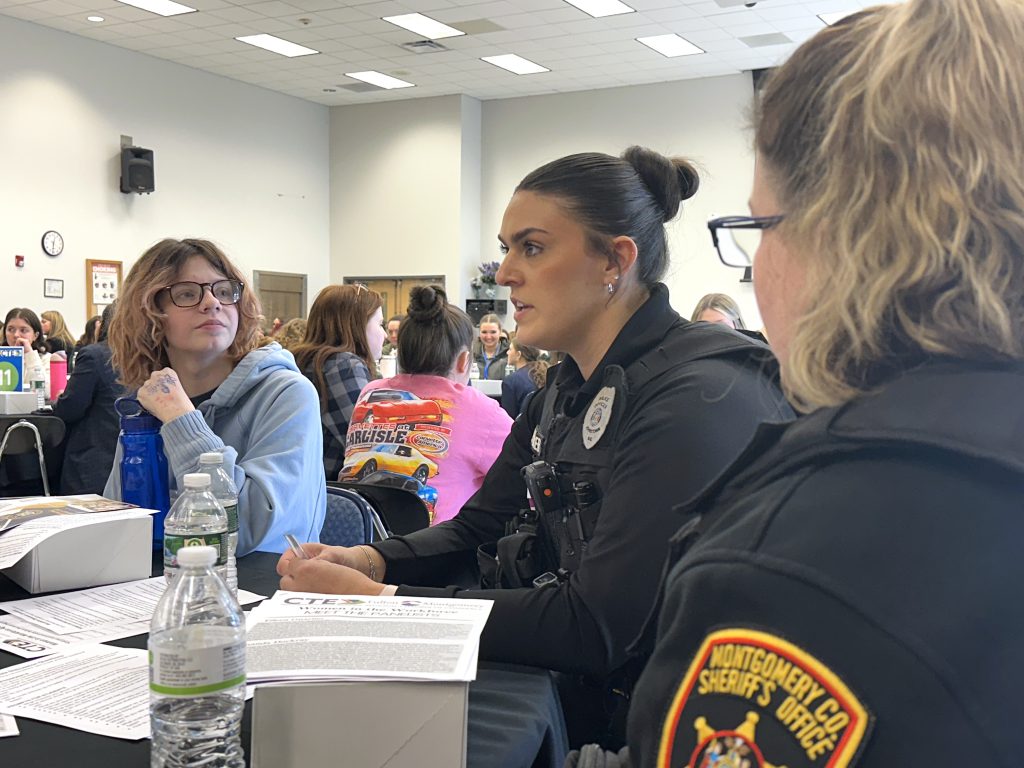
(832, 18)
(515, 64)
(379, 79)
(423, 25)
(277, 45)
(599, 8)
(161, 7)
(94, 19)
(670, 45)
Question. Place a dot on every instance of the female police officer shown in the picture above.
(855, 598)
(646, 407)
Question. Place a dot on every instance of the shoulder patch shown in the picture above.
(599, 414)
(752, 699)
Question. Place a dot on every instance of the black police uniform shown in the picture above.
(855, 598)
(677, 417)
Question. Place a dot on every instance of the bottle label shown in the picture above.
(196, 671)
(232, 509)
(172, 543)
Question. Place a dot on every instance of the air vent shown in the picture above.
(360, 87)
(763, 41)
(425, 46)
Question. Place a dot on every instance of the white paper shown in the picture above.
(30, 641)
(303, 636)
(98, 607)
(18, 542)
(94, 688)
(14, 512)
(8, 726)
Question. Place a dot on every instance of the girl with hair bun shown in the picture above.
(645, 409)
(426, 422)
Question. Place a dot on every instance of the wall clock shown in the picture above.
(53, 243)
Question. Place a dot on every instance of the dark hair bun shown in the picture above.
(670, 180)
(427, 304)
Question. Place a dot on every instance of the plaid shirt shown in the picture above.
(346, 375)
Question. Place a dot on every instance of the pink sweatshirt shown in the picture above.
(444, 434)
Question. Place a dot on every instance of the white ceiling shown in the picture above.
(582, 53)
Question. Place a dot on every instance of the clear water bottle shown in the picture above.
(196, 520)
(223, 489)
(39, 386)
(509, 370)
(197, 669)
(474, 371)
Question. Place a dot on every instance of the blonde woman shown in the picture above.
(855, 596)
(55, 330)
(186, 337)
(719, 308)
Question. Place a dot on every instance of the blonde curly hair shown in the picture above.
(895, 145)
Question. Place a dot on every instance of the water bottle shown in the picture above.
(223, 489)
(58, 374)
(197, 669)
(196, 520)
(474, 371)
(509, 370)
(143, 464)
(39, 386)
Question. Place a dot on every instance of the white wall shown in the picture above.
(243, 166)
(405, 189)
(704, 120)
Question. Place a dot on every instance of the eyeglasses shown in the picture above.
(188, 294)
(729, 251)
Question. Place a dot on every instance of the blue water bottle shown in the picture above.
(143, 464)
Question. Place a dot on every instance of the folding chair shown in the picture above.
(23, 435)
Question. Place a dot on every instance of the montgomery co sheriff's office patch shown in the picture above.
(753, 700)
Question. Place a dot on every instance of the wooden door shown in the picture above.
(282, 294)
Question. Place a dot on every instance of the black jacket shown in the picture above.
(678, 432)
(855, 598)
(87, 408)
(494, 368)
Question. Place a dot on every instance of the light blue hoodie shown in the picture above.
(265, 419)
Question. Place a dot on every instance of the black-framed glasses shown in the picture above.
(188, 294)
(729, 251)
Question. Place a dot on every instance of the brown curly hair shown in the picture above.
(136, 339)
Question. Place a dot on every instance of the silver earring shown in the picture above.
(611, 289)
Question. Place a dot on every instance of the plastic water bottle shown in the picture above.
(223, 489)
(509, 370)
(197, 669)
(39, 386)
(474, 371)
(196, 520)
(143, 464)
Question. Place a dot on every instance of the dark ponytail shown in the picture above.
(633, 195)
(433, 334)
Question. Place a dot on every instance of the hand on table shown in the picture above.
(163, 396)
(331, 570)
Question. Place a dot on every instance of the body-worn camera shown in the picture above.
(542, 484)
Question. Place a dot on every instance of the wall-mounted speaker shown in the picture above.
(137, 170)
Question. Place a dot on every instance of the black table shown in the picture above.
(515, 718)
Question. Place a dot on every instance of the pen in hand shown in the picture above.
(296, 548)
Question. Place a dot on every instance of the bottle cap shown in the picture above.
(212, 457)
(195, 557)
(197, 480)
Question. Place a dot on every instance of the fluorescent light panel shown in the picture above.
(599, 8)
(832, 18)
(277, 45)
(670, 45)
(161, 7)
(515, 64)
(423, 25)
(379, 79)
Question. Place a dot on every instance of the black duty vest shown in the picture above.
(545, 545)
